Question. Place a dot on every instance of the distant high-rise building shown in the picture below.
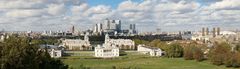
(218, 31)
(111, 26)
(214, 32)
(99, 27)
(207, 31)
(95, 28)
(203, 31)
(132, 28)
(72, 29)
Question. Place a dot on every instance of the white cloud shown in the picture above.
(148, 15)
(24, 13)
(56, 9)
(226, 4)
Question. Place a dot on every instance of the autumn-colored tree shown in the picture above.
(232, 59)
(218, 54)
(198, 54)
(174, 50)
(188, 52)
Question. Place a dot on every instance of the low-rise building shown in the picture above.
(54, 51)
(126, 44)
(106, 51)
(152, 51)
(77, 44)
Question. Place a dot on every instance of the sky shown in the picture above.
(148, 15)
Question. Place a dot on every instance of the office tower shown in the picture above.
(72, 29)
(207, 31)
(203, 31)
(132, 28)
(111, 25)
(95, 30)
(99, 27)
(218, 31)
(118, 24)
(214, 32)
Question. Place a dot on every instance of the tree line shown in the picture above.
(221, 53)
(19, 53)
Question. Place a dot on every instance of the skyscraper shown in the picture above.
(111, 26)
(72, 29)
(203, 31)
(207, 31)
(99, 27)
(132, 28)
(218, 31)
(214, 32)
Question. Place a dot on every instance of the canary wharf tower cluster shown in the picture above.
(113, 27)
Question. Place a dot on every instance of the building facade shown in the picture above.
(152, 51)
(77, 44)
(54, 51)
(106, 51)
(123, 44)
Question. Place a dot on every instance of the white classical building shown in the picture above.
(152, 51)
(1, 38)
(77, 44)
(120, 43)
(106, 51)
(54, 51)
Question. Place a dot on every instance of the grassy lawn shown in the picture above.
(137, 61)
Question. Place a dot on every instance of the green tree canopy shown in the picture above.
(174, 50)
(19, 53)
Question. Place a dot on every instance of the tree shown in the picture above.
(238, 47)
(138, 41)
(198, 54)
(158, 43)
(232, 59)
(188, 52)
(218, 54)
(155, 43)
(174, 50)
(19, 53)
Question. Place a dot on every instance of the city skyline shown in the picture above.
(148, 15)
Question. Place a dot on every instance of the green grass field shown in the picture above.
(138, 61)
